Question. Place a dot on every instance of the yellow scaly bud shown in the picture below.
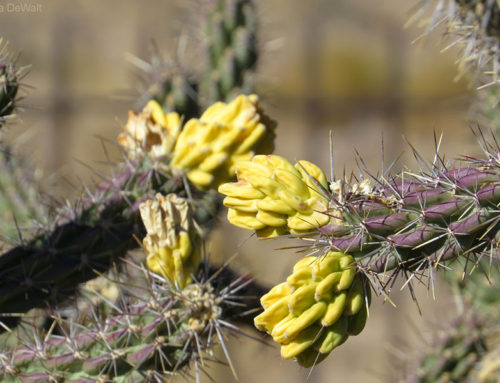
(224, 135)
(288, 199)
(319, 306)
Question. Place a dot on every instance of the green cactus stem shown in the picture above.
(453, 356)
(147, 339)
(231, 50)
(21, 202)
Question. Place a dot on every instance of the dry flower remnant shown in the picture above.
(171, 242)
(151, 132)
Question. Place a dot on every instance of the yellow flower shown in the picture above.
(208, 148)
(150, 132)
(320, 305)
(274, 197)
(169, 240)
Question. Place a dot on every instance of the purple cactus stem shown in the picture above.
(142, 354)
(354, 243)
(489, 195)
(413, 238)
(426, 197)
(390, 222)
(444, 209)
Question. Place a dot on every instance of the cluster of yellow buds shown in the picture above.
(208, 148)
(169, 243)
(321, 303)
(274, 197)
(205, 149)
(150, 132)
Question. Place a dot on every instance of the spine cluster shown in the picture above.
(146, 340)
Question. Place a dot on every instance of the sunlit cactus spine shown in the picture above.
(409, 222)
(147, 338)
(405, 225)
(231, 49)
(475, 27)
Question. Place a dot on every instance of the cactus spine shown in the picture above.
(475, 26)
(414, 221)
(10, 75)
(229, 57)
(147, 339)
(402, 225)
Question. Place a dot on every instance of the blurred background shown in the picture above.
(347, 66)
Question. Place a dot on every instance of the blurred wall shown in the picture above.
(345, 65)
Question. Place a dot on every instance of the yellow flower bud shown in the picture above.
(172, 252)
(224, 135)
(282, 197)
(309, 315)
(150, 132)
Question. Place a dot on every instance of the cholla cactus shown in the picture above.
(321, 303)
(207, 148)
(229, 57)
(151, 132)
(99, 230)
(168, 84)
(144, 338)
(403, 225)
(475, 26)
(454, 356)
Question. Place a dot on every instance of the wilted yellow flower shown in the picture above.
(274, 197)
(169, 240)
(208, 148)
(320, 305)
(150, 132)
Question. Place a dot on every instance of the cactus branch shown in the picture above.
(87, 238)
(150, 335)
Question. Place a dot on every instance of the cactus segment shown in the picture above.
(231, 50)
(147, 339)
